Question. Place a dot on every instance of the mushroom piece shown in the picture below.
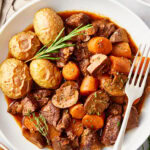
(99, 64)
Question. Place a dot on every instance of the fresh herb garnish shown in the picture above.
(98, 113)
(74, 121)
(41, 125)
(95, 94)
(58, 43)
(118, 124)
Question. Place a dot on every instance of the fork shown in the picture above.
(134, 89)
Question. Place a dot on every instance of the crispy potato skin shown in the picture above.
(47, 24)
(15, 79)
(45, 73)
(24, 45)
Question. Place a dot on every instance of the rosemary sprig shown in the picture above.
(58, 43)
(40, 124)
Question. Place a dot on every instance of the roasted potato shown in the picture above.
(24, 45)
(47, 25)
(45, 73)
(15, 79)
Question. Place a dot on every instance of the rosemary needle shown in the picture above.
(58, 43)
(40, 124)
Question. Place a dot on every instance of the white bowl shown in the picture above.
(144, 2)
(110, 8)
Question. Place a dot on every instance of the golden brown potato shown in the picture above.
(45, 73)
(47, 24)
(15, 79)
(24, 45)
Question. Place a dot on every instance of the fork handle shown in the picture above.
(119, 141)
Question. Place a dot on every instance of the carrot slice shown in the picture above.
(100, 45)
(88, 85)
(70, 71)
(120, 64)
(76, 127)
(77, 111)
(142, 62)
(93, 121)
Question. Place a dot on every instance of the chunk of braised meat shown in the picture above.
(115, 109)
(84, 36)
(64, 121)
(35, 138)
(64, 55)
(90, 140)
(118, 99)
(51, 113)
(42, 96)
(38, 94)
(59, 143)
(83, 64)
(15, 108)
(71, 136)
(120, 35)
(99, 64)
(67, 95)
(111, 130)
(133, 118)
(77, 19)
(82, 51)
(29, 104)
(104, 27)
(97, 102)
(75, 143)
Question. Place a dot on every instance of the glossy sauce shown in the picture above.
(65, 15)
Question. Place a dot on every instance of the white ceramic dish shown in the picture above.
(110, 8)
(144, 2)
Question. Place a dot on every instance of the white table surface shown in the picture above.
(141, 10)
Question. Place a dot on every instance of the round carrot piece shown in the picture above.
(70, 71)
(52, 132)
(77, 111)
(93, 121)
(77, 127)
(29, 124)
(100, 45)
(88, 85)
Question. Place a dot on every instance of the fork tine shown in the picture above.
(138, 66)
(131, 70)
(142, 70)
(146, 75)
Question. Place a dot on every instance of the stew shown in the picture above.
(71, 98)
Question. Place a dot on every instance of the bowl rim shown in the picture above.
(144, 3)
(36, 1)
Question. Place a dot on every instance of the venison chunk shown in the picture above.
(78, 19)
(111, 130)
